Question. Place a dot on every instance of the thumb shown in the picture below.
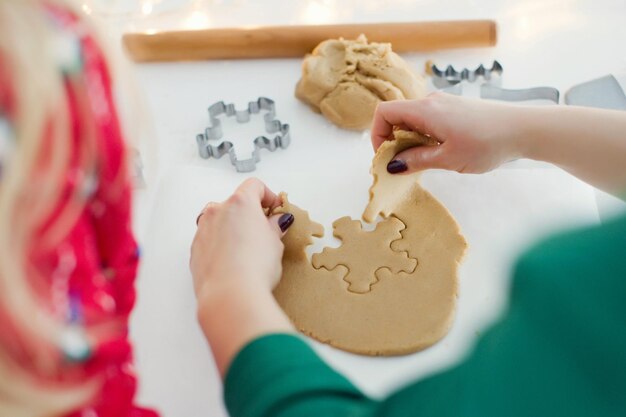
(281, 223)
(417, 159)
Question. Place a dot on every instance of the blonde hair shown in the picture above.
(30, 190)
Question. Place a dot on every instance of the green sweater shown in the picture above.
(559, 350)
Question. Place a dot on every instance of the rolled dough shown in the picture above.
(402, 312)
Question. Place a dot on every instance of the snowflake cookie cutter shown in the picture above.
(272, 125)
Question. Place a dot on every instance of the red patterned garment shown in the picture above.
(92, 270)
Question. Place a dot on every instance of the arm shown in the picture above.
(232, 315)
(234, 272)
(588, 143)
(477, 136)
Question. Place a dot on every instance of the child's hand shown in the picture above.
(475, 136)
(236, 244)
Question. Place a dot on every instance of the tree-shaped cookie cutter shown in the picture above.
(450, 76)
(214, 132)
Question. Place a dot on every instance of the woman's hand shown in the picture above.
(236, 244)
(236, 262)
(476, 136)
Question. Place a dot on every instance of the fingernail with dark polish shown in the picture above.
(285, 221)
(396, 166)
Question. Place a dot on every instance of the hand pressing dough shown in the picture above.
(362, 275)
(404, 311)
(346, 79)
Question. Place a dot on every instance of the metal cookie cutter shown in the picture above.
(272, 125)
(524, 94)
(450, 80)
(450, 76)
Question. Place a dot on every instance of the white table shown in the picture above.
(548, 42)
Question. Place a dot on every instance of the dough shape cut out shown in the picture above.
(405, 311)
(362, 275)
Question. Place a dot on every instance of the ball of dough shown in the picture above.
(346, 79)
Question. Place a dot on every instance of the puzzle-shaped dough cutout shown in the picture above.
(364, 253)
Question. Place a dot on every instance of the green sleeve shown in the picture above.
(280, 375)
(560, 350)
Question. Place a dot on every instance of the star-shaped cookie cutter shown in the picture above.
(272, 125)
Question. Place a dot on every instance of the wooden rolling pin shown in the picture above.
(296, 41)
